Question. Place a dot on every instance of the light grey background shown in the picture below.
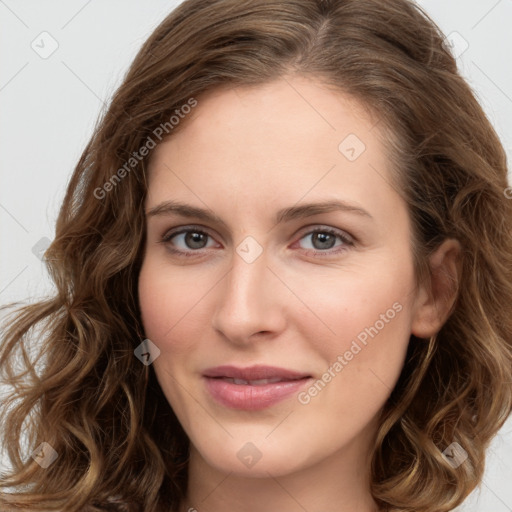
(49, 106)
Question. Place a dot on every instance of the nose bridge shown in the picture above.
(248, 301)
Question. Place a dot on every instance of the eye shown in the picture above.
(322, 240)
(187, 241)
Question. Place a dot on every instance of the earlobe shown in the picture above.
(437, 296)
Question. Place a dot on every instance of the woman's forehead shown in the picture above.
(285, 140)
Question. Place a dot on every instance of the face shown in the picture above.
(278, 278)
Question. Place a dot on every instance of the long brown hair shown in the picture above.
(69, 360)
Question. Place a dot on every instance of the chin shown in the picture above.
(258, 458)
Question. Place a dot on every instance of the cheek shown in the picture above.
(170, 304)
(367, 318)
(357, 300)
(166, 300)
(154, 300)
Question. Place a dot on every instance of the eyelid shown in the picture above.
(169, 233)
(346, 238)
(315, 228)
(304, 230)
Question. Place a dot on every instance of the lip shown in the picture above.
(251, 396)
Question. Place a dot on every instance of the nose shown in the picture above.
(250, 302)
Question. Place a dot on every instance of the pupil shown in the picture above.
(326, 240)
(195, 240)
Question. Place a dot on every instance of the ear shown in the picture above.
(436, 296)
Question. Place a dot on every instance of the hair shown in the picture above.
(69, 359)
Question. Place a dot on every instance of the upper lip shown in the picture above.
(254, 373)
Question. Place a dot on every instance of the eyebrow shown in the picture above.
(284, 215)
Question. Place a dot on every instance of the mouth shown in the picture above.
(253, 388)
(258, 382)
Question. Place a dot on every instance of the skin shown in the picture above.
(244, 153)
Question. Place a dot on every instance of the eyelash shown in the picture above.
(347, 241)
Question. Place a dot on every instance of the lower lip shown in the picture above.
(252, 398)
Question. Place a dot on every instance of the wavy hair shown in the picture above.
(68, 360)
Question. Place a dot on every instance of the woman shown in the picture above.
(281, 265)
